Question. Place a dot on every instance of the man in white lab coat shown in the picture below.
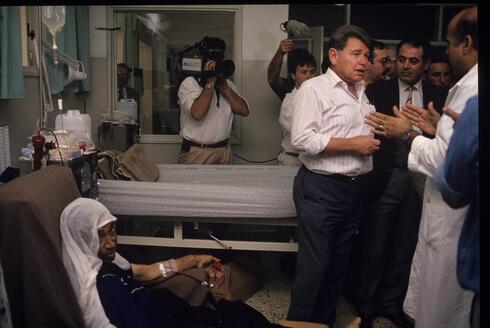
(435, 298)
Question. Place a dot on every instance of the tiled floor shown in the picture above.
(273, 299)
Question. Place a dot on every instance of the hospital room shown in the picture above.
(240, 165)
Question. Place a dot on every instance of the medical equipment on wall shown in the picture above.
(54, 19)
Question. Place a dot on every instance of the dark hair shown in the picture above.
(299, 57)
(123, 65)
(467, 25)
(378, 45)
(325, 64)
(211, 43)
(339, 37)
(416, 43)
(439, 59)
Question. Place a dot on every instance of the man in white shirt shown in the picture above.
(301, 67)
(434, 297)
(207, 105)
(335, 147)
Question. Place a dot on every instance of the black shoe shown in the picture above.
(400, 319)
(366, 320)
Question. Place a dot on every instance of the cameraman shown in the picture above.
(207, 105)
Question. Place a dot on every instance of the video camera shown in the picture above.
(209, 48)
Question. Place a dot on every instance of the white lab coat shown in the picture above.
(434, 297)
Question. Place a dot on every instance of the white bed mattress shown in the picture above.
(233, 191)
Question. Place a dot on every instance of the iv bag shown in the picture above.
(54, 18)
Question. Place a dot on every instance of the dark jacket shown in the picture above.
(384, 95)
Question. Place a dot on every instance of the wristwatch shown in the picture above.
(209, 85)
(406, 135)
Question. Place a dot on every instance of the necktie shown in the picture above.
(410, 95)
(402, 151)
(120, 94)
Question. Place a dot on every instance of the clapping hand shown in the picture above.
(425, 119)
(388, 126)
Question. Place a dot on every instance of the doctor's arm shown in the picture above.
(457, 176)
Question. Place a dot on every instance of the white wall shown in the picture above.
(261, 35)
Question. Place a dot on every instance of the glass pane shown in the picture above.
(395, 22)
(153, 44)
(329, 16)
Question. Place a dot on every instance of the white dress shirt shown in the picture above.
(417, 97)
(216, 124)
(417, 93)
(324, 109)
(286, 120)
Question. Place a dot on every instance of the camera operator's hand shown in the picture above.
(285, 46)
(221, 83)
(210, 65)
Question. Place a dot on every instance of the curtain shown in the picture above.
(11, 75)
(73, 39)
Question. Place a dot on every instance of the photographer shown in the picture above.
(207, 105)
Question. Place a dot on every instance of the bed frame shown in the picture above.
(231, 194)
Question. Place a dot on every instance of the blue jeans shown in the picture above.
(328, 212)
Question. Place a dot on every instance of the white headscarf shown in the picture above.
(80, 244)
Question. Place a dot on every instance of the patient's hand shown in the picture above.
(204, 260)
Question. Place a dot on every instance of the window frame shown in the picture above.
(237, 50)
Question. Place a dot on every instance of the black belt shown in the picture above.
(346, 178)
(292, 154)
(187, 144)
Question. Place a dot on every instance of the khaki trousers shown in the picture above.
(198, 155)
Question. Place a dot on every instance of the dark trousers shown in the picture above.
(328, 213)
(388, 244)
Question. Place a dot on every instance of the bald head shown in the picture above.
(462, 41)
(464, 24)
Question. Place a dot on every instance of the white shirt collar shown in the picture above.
(471, 73)
(335, 80)
(404, 86)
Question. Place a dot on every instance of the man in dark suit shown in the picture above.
(389, 233)
(123, 90)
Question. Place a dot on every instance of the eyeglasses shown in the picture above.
(386, 59)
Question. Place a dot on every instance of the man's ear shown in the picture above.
(332, 55)
(467, 44)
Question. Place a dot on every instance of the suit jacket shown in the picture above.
(384, 95)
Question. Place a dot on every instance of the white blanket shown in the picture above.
(241, 191)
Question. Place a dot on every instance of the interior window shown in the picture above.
(153, 45)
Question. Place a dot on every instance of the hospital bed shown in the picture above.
(232, 194)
